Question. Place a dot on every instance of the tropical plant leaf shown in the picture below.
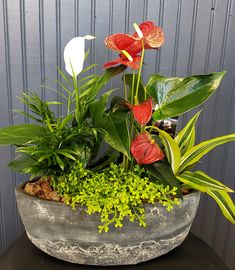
(20, 134)
(161, 171)
(201, 181)
(172, 150)
(175, 96)
(59, 161)
(198, 151)
(225, 203)
(103, 79)
(185, 138)
(114, 124)
(159, 86)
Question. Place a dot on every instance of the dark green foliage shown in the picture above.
(114, 193)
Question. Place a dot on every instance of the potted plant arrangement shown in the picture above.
(136, 200)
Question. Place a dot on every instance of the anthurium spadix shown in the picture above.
(74, 54)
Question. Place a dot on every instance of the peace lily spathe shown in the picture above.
(74, 54)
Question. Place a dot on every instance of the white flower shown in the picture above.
(74, 54)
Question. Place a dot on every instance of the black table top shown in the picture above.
(192, 254)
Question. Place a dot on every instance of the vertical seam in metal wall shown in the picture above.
(230, 121)
(176, 45)
(76, 12)
(192, 37)
(222, 61)
(58, 47)
(93, 19)
(8, 81)
(199, 133)
(145, 12)
(42, 46)
(160, 23)
(127, 16)
(191, 46)
(110, 24)
(109, 84)
(23, 53)
(9, 97)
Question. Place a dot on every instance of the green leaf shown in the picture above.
(162, 172)
(59, 161)
(201, 181)
(172, 150)
(159, 86)
(20, 134)
(114, 124)
(175, 96)
(65, 121)
(225, 203)
(26, 164)
(185, 138)
(21, 162)
(107, 75)
(128, 80)
(66, 154)
(198, 151)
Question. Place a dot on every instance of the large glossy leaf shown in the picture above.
(185, 138)
(198, 151)
(113, 123)
(161, 171)
(175, 96)
(20, 134)
(128, 79)
(172, 150)
(201, 181)
(225, 203)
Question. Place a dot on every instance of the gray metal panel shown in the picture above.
(199, 38)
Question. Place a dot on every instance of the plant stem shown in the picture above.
(76, 90)
(140, 70)
(132, 87)
(124, 87)
(69, 104)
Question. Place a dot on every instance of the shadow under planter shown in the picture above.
(73, 235)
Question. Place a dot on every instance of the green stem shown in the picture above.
(132, 87)
(76, 90)
(140, 70)
(69, 104)
(124, 87)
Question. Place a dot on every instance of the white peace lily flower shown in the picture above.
(74, 54)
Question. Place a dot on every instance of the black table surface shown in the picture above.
(192, 254)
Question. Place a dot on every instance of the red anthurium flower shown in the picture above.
(143, 111)
(153, 35)
(124, 61)
(145, 150)
(120, 42)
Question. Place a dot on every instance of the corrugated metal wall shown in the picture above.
(199, 38)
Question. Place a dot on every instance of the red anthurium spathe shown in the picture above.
(119, 42)
(153, 35)
(145, 150)
(132, 63)
(143, 111)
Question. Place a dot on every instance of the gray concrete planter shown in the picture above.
(73, 235)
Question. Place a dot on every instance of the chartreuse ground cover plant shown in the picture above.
(144, 163)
